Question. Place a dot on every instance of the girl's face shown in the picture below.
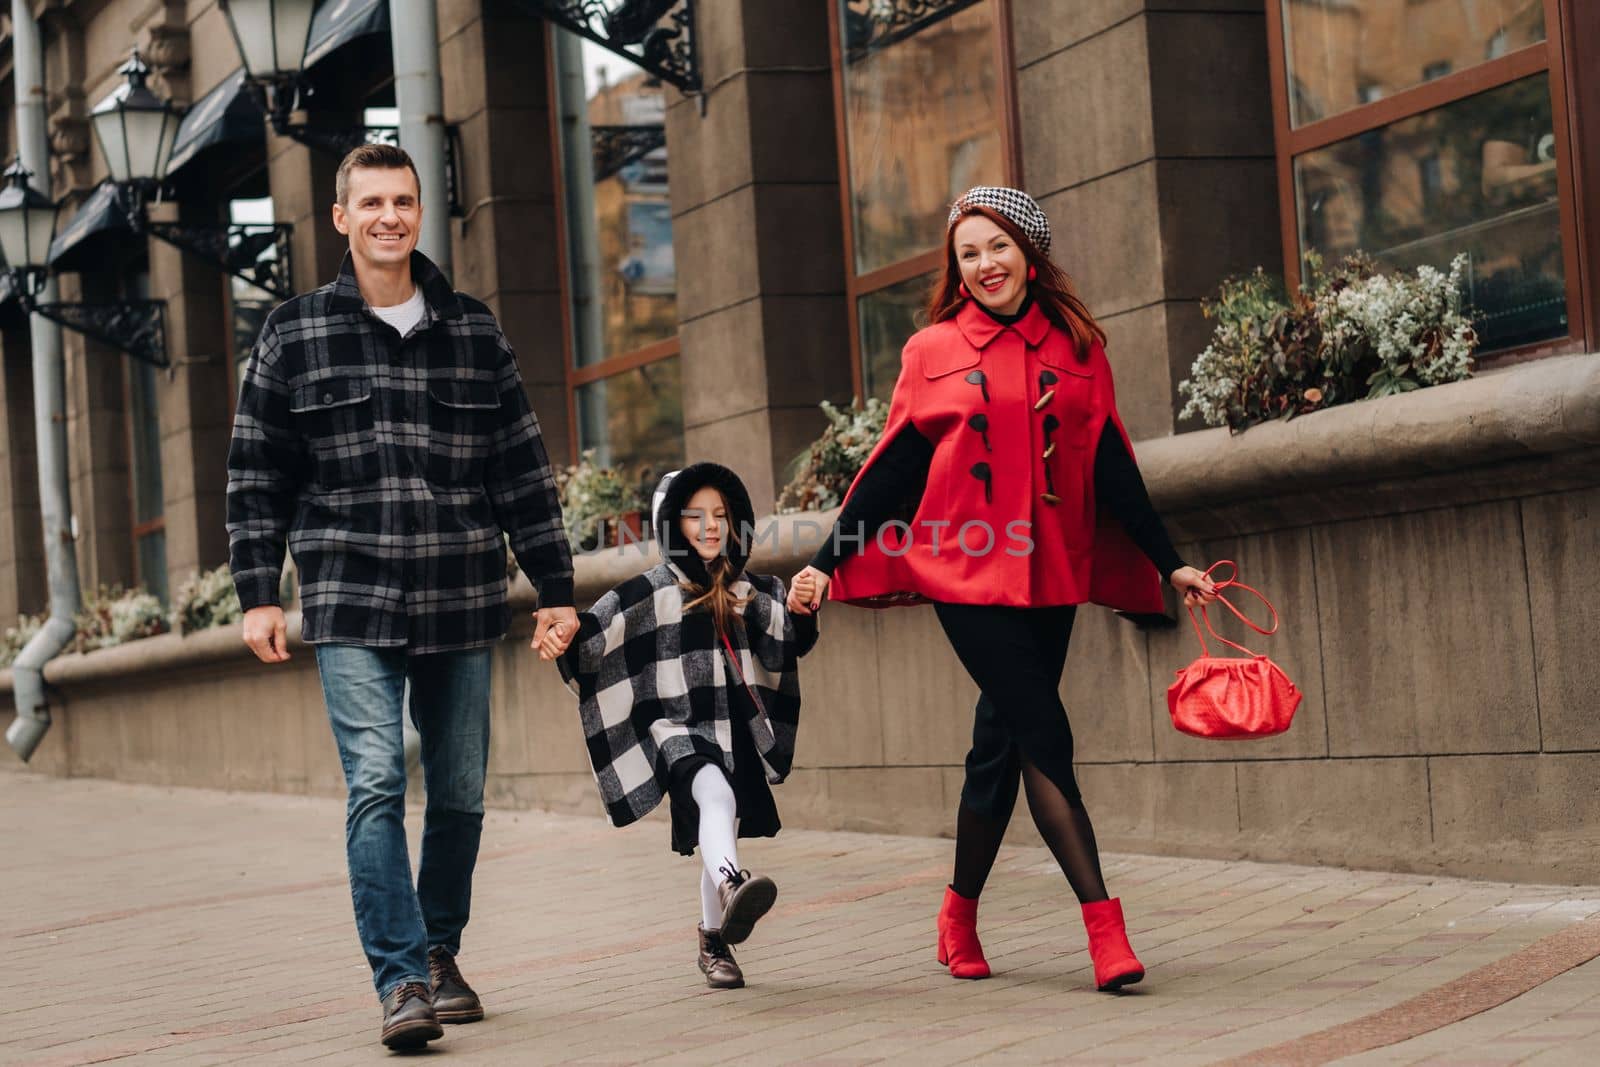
(705, 522)
(993, 268)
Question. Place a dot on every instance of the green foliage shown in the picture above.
(15, 637)
(207, 599)
(591, 494)
(821, 475)
(1350, 333)
(115, 616)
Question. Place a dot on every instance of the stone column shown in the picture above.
(1148, 140)
(301, 179)
(22, 573)
(98, 448)
(193, 399)
(507, 248)
(758, 236)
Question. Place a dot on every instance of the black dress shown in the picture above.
(758, 812)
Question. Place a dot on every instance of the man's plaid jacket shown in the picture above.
(389, 466)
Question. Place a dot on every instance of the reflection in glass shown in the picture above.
(888, 318)
(922, 125)
(144, 416)
(634, 418)
(1344, 53)
(623, 274)
(1476, 176)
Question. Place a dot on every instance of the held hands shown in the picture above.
(267, 633)
(553, 630)
(1196, 588)
(807, 591)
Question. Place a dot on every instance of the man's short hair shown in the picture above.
(373, 156)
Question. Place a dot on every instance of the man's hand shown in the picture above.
(553, 631)
(267, 633)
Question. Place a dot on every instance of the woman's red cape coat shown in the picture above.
(1075, 554)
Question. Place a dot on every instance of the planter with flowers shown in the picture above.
(602, 506)
(1350, 333)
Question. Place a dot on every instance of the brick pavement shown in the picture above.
(197, 927)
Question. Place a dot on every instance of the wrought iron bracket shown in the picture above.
(237, 248)
(617, 146)
(883, 22)
(137, 327)
(657, 35)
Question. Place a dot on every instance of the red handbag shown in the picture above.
(1232, 698)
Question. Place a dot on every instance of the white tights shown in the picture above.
(719, 830)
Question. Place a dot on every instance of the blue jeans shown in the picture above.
(365, 692)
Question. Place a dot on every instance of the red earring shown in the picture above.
(962, 289)
(1033, 274)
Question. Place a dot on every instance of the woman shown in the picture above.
(1025, 502)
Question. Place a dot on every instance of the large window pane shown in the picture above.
(619, 218)
(922, 123)
(1476, 176)
(887, 318)
(1345, 53)
(634, 418)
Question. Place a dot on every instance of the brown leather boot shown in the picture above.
(453, 998)
(717, 963)
(408, 1017)
(744, 899)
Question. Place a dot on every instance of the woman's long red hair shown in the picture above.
(1051, 287)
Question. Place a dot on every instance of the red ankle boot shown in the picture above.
(1115, 965)
(958, 937)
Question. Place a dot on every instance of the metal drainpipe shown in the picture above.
(414, 36)
(49, 413)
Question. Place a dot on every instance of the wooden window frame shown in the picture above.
(1549, 55)
(858, 285)
(574, 376)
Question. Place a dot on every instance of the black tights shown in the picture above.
(1020, 736)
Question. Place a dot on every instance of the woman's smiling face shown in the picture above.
(993, 268)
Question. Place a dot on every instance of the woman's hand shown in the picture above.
(1196, 588)
(807, 591)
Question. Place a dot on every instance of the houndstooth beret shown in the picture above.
(1014, 204)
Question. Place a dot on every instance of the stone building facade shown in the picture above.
(766, 249)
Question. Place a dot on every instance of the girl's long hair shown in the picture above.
(719, 599)
(1054, 291)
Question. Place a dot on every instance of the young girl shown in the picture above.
(687, 686)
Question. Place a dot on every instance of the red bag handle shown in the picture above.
(733, 659)
(1231, 582)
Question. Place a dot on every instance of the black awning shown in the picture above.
(338, 22)
(100, 214)
(228, 114)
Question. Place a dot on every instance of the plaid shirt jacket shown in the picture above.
(389, 466)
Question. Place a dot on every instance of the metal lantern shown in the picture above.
(271, 35)
(135, 127)
(27, 223)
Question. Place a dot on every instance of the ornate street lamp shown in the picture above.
(27, 226)
(136, 129)
(271, 36)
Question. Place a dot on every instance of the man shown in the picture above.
(383, 433)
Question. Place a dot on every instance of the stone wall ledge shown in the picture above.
(1277, 474)
(1539, 409)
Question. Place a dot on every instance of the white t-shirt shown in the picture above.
(404, 316)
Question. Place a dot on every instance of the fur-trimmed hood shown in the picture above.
(672, 496)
